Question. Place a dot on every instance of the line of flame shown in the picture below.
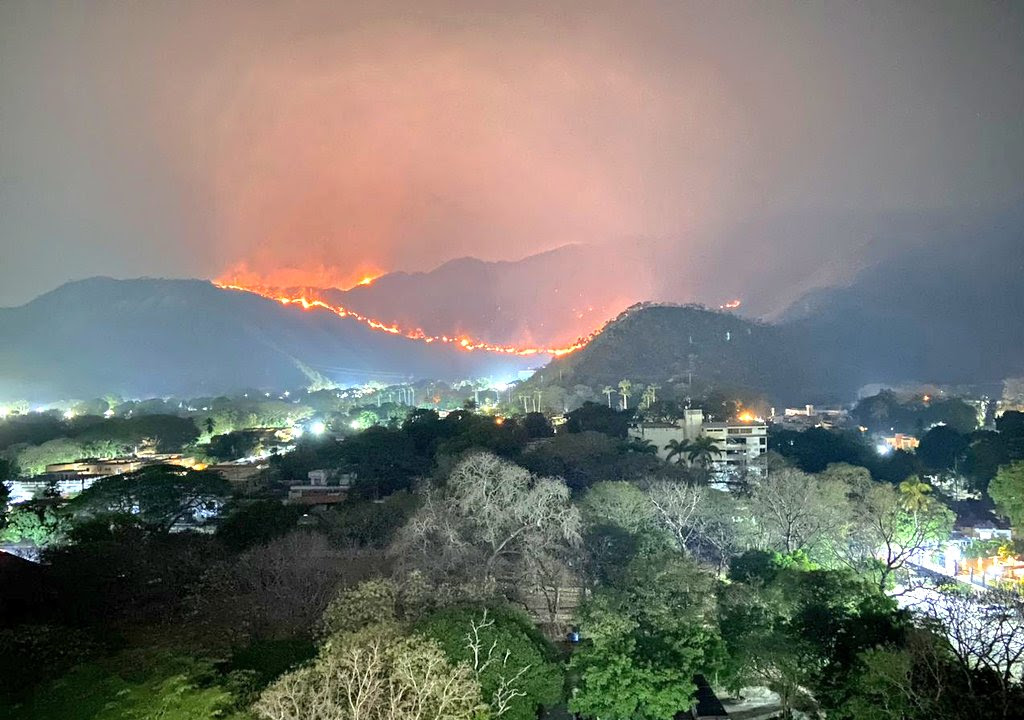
(461, 342)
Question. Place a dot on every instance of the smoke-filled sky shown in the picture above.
(741, 147)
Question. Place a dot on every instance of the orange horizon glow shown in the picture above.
(460, 341)
(322, 276)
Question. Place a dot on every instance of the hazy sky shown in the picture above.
(743, 144)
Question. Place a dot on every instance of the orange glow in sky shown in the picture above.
(319, 276)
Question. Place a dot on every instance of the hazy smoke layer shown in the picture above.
(733, 149)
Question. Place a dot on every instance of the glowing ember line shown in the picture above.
(462, 342)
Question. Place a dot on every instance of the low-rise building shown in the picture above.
(105, 467)
(810, 416)
(325, 487)
(899, 441)
(239, 473)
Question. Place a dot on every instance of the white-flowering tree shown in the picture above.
(491, 518)
(375, 674)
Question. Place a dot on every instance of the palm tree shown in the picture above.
(702, 451)
(625, 387)
(647, 397)
(677, 449)
(914, 493)
(608, 390)
(642, 445)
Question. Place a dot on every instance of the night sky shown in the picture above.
(744, 148)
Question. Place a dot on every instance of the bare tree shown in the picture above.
(887, 532)
(795, 511)
(677, 506)
(280, 588)
(985, 633)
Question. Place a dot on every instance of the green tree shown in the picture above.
(1007, 492)
(33, 459)
(159, 496)
(617, 503)
(537, 425)
(598, 418)
(5, 491)
(644, 640)
(515, 666)
(8, 471)
(257, 523)
(799, 629)
(942, 448)
(37, 523)
(134, 686)
(234, 445)
(369, 524)
(889, 526)
(914, 493)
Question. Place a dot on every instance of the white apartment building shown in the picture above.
(738, 442)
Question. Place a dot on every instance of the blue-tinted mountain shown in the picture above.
(152, 337)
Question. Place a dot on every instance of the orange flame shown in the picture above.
(468, 344)
(731, 305)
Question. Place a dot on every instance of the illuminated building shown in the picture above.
(899, 441)
(739, 442)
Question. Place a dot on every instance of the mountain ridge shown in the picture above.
(163, 337)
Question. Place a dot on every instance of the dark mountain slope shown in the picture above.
(949, 311)
(673, 345)
(156, 337)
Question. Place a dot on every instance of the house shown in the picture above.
(325, 487)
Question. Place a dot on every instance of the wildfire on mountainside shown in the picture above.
(463, 342)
